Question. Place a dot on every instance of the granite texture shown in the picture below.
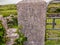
(32, 17)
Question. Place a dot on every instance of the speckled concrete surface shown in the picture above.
(32, 16)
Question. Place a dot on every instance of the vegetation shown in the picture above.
(22, 38)
(54, 8)
(53, 33)
(12, 21)
(2, 35)
(54, 36)
(52, 42)
(6, 10)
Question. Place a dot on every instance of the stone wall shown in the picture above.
(32, 16)
(11, 34)
(4, 22)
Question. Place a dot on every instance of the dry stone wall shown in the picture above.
(4, 22)
(11, 32)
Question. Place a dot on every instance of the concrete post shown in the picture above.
(32, 16)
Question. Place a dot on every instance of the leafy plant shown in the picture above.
(2, 35)
(12, 21)
(21, 39)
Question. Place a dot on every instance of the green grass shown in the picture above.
(54, 5)
(52, 42)
(54, 8)
(53, 33)
(57, 21)
(6, 10)
(2, 34)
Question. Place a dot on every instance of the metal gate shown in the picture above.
(53, 31)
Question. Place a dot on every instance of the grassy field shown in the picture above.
(54, 8)
(54, 35)
(54, 5)
(52, 42)
(57, 21)
(6, 10)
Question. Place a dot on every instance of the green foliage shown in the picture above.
(58, 10)
(21, 39)
(52, 42)
(54, 8)
(2, 35)
(12, 23)
(6, 10)
(7, 7)
(53, 33)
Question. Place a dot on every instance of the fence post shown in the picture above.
(32, 16)
(53, 23)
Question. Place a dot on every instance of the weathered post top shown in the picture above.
(32, 16)
(30, 1)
